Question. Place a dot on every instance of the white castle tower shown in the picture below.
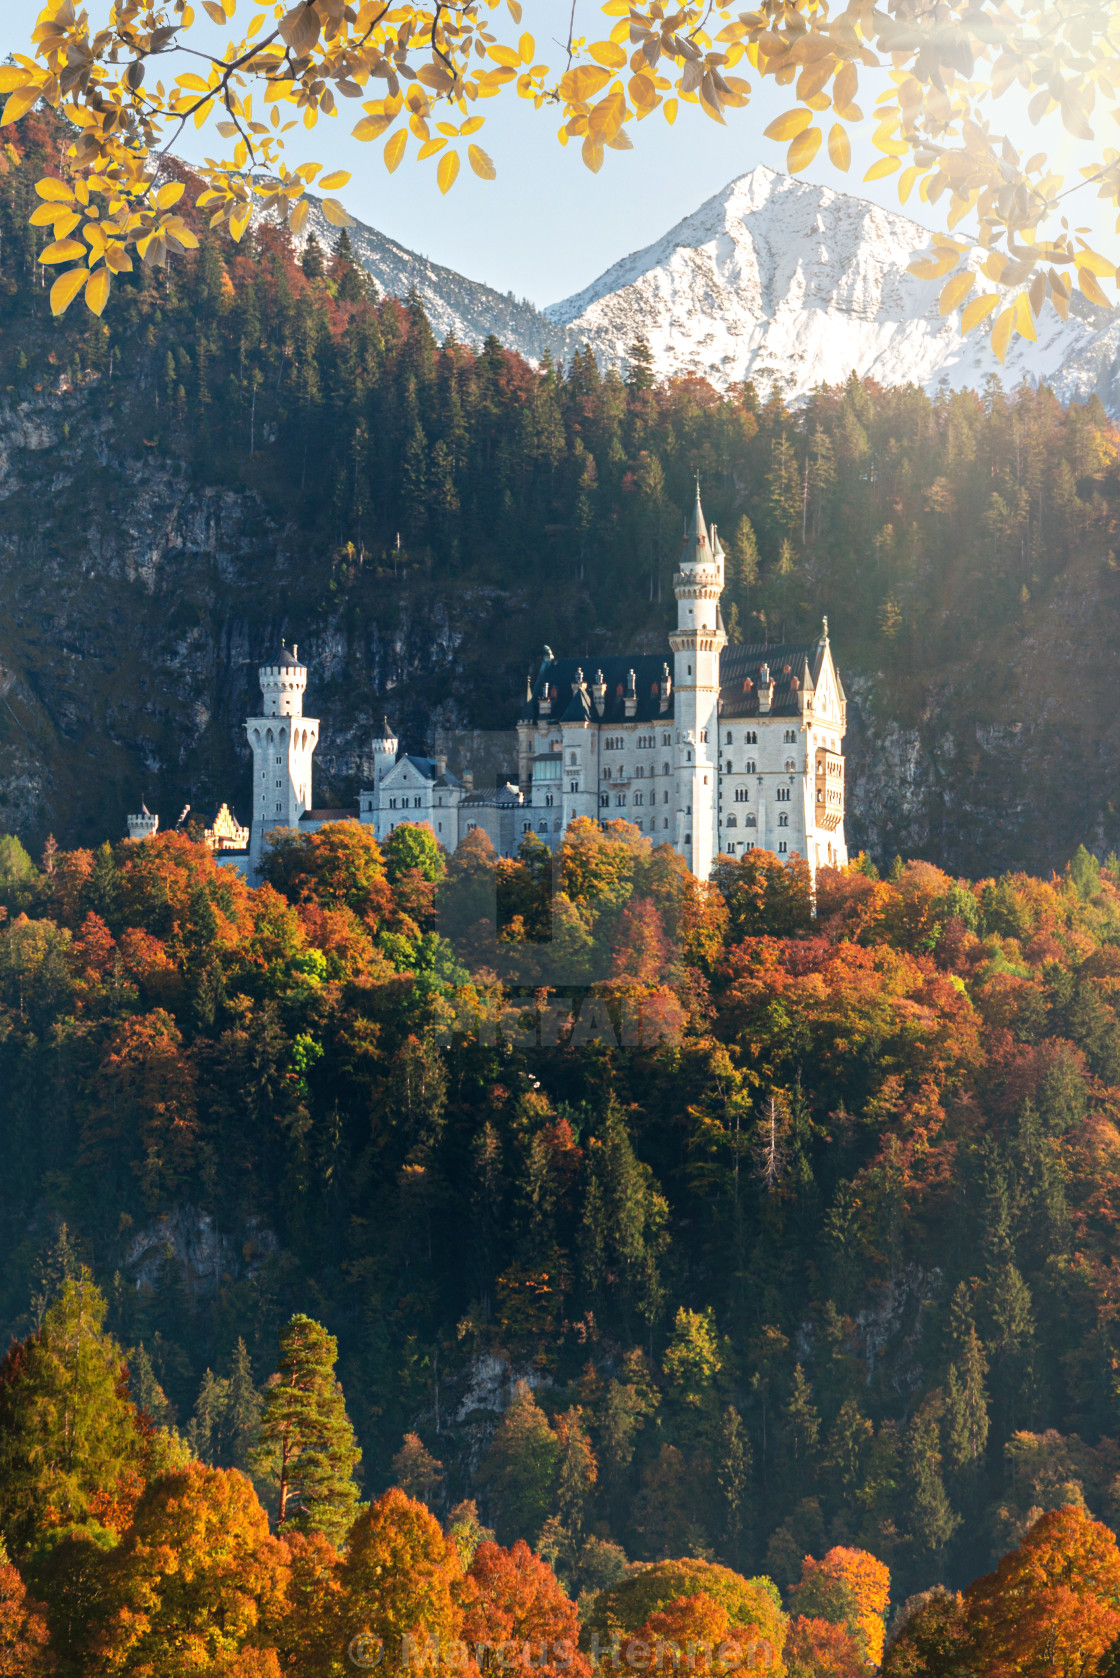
(283, 741)
(144, 825)
(383, 749)
(697, 643)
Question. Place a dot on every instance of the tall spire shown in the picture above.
(695, 550)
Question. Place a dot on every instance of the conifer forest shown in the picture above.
(750, 1302)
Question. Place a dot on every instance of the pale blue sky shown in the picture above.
(546, 227)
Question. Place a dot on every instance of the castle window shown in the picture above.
(731, 848)
(279, 783)
(556, 825)
(750, 820)
(573, 757)
(791, 736)
(664, 768)
(526, 827)
(729, 737)
(664, 798)
(730, 767)
(704, 736)
(573, 786)
(790, 764)
(665, 823)
(783, 820)
(639, 798)
(666, 739)
(782, 847)
(471, 826)
(750, 738)
(604, 800)
(742, 794)
(548, 801)
(782, 795)
(620, 800)
(732, 821)
(416, 803)
(277, 809)
(750, 767)
(542, 827)
(606, 774)
(279, 761)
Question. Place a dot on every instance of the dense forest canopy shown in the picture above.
(963, 546)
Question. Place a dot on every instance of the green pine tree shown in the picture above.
(967, 1400)
(68, 1430)
(733, 1478)
(933, 1519)
(307, 1446)
(519, 1470)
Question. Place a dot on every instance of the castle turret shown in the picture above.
(384, 747)
(697, 642)
(283, 742)
(144, 825)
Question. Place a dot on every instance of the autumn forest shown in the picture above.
(749, 1299)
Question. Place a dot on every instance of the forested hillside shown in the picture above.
(247, 445)
(822, 1255)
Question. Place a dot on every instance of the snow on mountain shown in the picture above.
(777, 277)
(771, 277)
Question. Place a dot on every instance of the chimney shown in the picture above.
(468, 780)
(441, 763)
(599, 691)
(577, 685)
(666, 688)
(765, 691)
(631, 700)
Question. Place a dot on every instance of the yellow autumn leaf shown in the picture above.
(63, 250)
(506, 57)
(97, 291)
(335, 213)
(1001, 334)
(1091, 287)
(394, 148)
(1095, 264)
(670, 109)
(803, 150)
(66, 288)
(429, 149)
(583, 82)
(885, 166)
(298, 220)
(370, 127)
(839, 146)
(480, 163)
(447, 170)
(527, 47)
(978, 309)
(335, 181)
(1024, 317)
(19, 103)
(55, 192)
(955, 292)
(906, 182)
(593, 153)
(605, 52)
(789, 125)
(11, 77)
(118, 260)
(169, 194)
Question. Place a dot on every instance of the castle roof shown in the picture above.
(793, 665)
(385, 732)
(573, 703)
(695, 550)
(288, 659)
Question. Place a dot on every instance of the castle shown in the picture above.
(720, 750)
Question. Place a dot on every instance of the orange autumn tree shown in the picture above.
(400, 1580)
(1052, 1607)
(23, 1629)
(193, 1580)
(697, 1630)
(513, 1598)
(816, 1648)
(660, 1599)
(851, 1588)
